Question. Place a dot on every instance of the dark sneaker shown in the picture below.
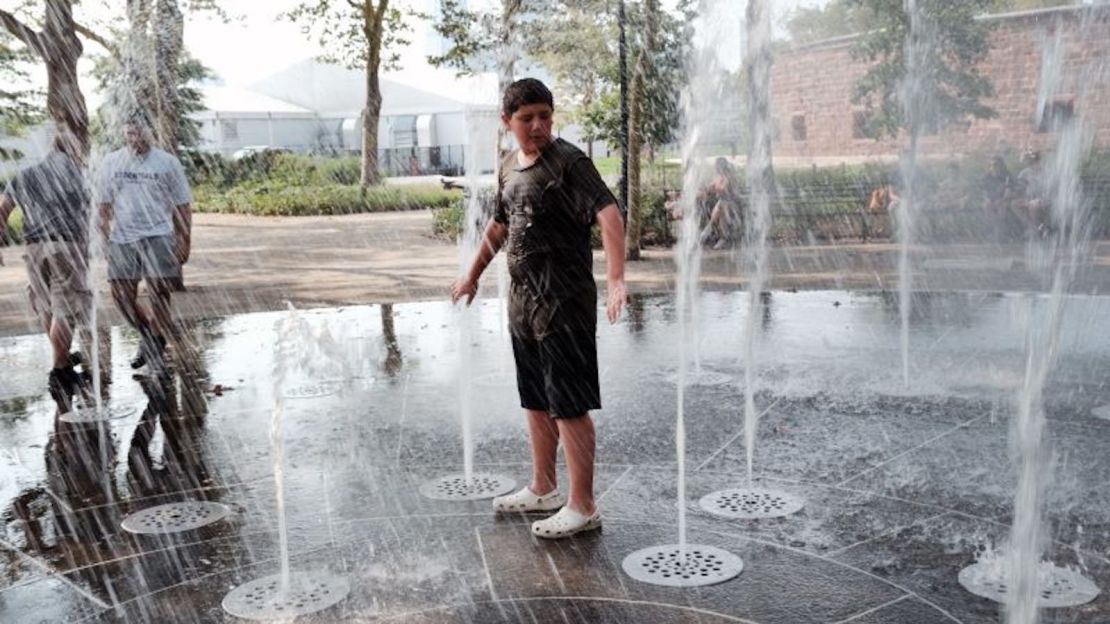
(64, 384)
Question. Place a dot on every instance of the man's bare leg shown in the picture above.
(543, 434)
(161, 291)
(61, 337)
(125, 293)
(579, 447)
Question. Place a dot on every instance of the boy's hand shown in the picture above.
(617, 296)
(464, 287)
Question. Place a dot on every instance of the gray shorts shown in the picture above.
(57, 273)
(149, 258)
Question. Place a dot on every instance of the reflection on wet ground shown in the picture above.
(904, 487)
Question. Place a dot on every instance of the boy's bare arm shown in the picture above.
(612, 240)
(492, 240)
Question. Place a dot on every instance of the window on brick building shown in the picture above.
(860, 128)
(1056, 114)
(798, 127)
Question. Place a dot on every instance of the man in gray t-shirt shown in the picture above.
(51, 195)
(145, 218)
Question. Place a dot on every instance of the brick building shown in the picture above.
(816, 121)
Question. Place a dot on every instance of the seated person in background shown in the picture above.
(997, 187)
(722, 196)
(1030, 204)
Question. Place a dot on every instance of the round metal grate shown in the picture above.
(666, 565)
(175, 517)
(751, 503)
(85, 416)
(312, 391)
(457, 487)
(122, 411)
(263, 600)
(1060, 587)
(704, 377)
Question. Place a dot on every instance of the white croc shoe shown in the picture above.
(527, 501)
(565, 523)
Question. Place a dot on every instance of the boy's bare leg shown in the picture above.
(544, 436)
(578, 446)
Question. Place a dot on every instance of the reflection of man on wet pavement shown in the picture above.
(145, 213)
(55, 206)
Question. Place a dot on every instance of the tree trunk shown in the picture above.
(132, 92)
(169, 31)
(635, 146)
(506, 69)
(64, 101)
(373, 25)
(59, 48)
(371, 115)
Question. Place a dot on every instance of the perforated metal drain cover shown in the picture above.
(85, 416)
(175, 517)
(122, 411)
(312, 391)
(665, 565)
(457, 487)
(751, 503)
(704, 377)
(1102, 411)
(308, 592)
(1060, 587)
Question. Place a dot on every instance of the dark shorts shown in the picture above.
(146, 258)
(558, 373)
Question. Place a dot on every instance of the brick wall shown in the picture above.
(815, 83)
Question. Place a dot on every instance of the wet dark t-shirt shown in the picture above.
(53, 199)
(549, 207)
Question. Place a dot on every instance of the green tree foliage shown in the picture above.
(190, 74)
(362, 35)
(840, 18)
(576, 41)
(663, 79)
(20, 103)
(945, 45)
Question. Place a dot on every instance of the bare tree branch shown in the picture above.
(91, 35)
(23, 32)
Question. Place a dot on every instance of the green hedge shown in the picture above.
(447, 222)
(271, 167)
(281, 200)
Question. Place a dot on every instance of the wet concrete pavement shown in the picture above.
(250, 264)
(904, 487)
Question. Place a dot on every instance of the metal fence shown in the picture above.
(448, 160)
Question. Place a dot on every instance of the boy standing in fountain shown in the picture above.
(550, 194)
(145, 217)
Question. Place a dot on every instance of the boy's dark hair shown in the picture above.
(524, 92)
